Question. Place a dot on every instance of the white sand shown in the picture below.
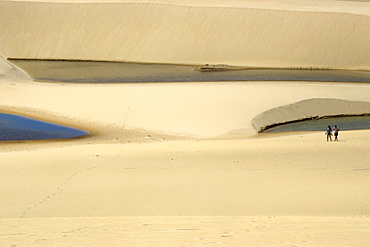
(180, 164)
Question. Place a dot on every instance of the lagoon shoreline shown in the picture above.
(180, 164)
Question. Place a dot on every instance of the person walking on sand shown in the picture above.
(328, 133)
(336, 130)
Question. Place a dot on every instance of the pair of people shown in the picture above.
(329, 133)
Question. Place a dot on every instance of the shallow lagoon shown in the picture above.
(344, 123)
(115, 72)
(118, 72)
(14, 127)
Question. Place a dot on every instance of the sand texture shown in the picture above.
(164, 170)
(182, 164)
(291, 34)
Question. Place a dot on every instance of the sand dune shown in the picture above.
(305, 35)
(308, 109)
(181, 164)
(199, 112)
(145, 158)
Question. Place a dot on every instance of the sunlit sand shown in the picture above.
(182, 164)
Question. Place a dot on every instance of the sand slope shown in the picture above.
(282, 176)
(188, 231)
(180, 164)
(298, 34)
(204, 109)
(100, 187)
(278, 191)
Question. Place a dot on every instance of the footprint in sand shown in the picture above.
(227, 234)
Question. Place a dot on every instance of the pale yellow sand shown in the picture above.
(316, 192)
(180, 164)
(187, 231)
(252, 33)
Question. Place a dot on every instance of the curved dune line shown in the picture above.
(310, 108)
(169, 33)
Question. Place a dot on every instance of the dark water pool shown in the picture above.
(14, 127)
(114, 72)
(344, 123)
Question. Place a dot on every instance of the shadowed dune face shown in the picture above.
(170, 33)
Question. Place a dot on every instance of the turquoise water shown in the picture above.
(14, 127)
(344, 123)
(114, 72)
